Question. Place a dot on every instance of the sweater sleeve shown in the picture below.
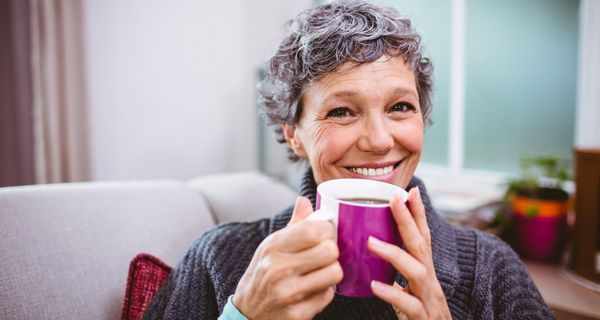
(198, 288)
(187, 292)
(503, 288)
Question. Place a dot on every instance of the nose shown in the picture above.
(375, 137)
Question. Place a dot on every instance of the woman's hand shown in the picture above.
(292, 272)
(423, 298)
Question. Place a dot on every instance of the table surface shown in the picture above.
(562, 294)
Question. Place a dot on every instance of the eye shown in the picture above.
(402, 107)
(339, 112)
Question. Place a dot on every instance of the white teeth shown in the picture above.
(372, 172)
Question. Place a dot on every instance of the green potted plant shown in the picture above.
(538, 204)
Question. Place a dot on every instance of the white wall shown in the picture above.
(171, 84)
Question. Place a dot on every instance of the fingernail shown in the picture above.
(375, 242)
(377, 286)
(402, 203)
(398, 199)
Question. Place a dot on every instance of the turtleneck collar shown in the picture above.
(443, 239)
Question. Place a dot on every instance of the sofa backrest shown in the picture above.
(243, 196)
(65, 248)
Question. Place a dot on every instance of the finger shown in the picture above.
(310, 306)
(401, 315)
(321, 299)
(407, 265)
(417, 209)
(401, 300)
(411, 237)
(319, 256)
(303, 235)
(321, 279)
(419, 276)
(302, 208)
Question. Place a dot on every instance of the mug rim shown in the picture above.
(398, 190)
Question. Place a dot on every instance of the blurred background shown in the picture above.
(113, 90)
(95, 90)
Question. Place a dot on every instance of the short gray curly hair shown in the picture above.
(321, 39)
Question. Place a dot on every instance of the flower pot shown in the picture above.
(540, 227)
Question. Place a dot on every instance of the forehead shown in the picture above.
(381, 76)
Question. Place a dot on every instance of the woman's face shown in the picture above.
(362, 121)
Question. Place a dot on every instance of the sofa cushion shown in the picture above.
(243, 196)
(146, 275)
(65, 248)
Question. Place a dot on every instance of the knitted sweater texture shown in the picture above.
(481, 276)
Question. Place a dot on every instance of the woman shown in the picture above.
(349, 92)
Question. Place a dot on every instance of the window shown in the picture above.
(505, 79)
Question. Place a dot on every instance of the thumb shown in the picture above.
(302, 209)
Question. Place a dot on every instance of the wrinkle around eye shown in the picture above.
(340, 121)
(318, 129)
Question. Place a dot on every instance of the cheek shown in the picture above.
(410, 136)
(328, 144)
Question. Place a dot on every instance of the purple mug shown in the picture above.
(359, 208)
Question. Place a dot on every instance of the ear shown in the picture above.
(293, 140)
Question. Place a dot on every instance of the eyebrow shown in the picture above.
(399, 91)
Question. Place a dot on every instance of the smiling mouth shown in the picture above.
(375, 172)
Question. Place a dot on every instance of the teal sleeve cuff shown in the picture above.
(231, 312)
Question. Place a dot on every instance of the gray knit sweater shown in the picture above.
(481, 276)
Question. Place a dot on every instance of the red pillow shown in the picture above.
(146, 275)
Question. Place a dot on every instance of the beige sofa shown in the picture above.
(65, 248)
